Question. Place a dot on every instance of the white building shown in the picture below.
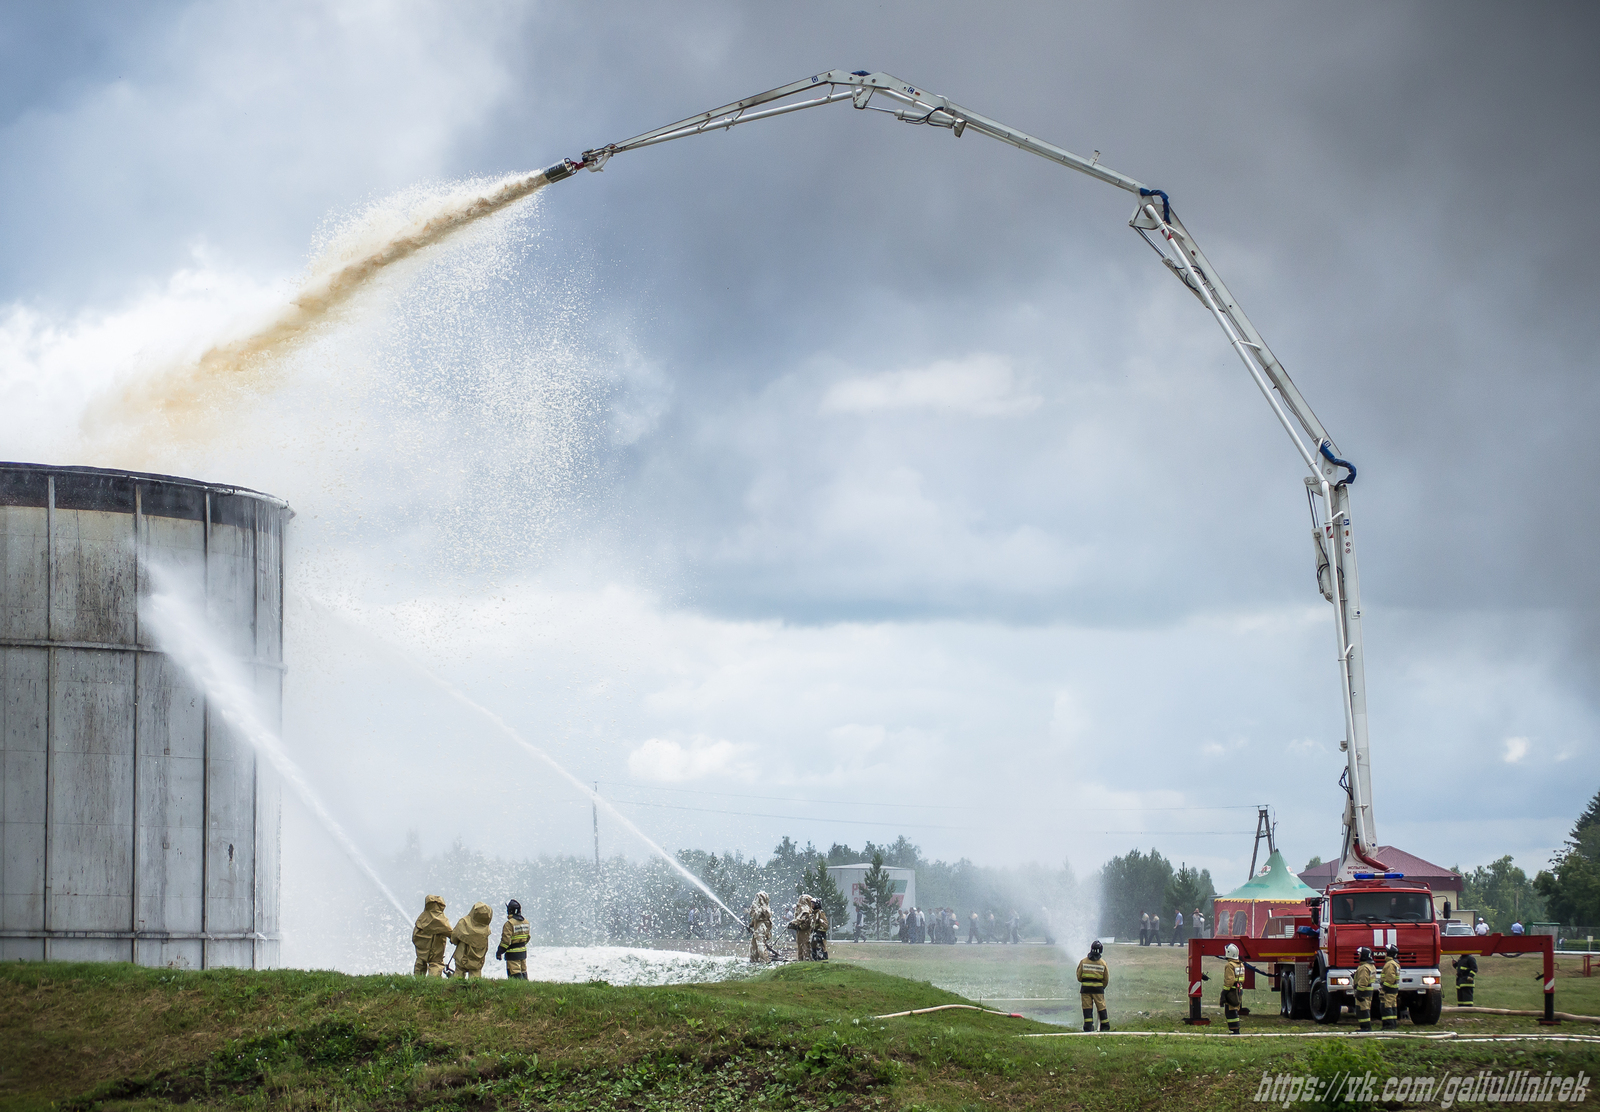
(849, 878)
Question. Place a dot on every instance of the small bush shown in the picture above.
(1350, 1073)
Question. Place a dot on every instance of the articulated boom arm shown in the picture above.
(1330, 477)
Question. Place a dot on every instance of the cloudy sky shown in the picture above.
(843, 479)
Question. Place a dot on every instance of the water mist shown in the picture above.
(506, 730)
(181, 632)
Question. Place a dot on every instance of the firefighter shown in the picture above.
(819, 931)
(471, 936)
(1466, 973)
(801, 925)
(1093, 977)
(760, 929)
(1365, 976)
(1232, 987)
(428, 936)
(1389, 984)
(514, 943)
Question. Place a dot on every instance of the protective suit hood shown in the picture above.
(432, 920)
(471, 937)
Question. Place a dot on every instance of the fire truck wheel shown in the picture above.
(1291, 1003)
(1323, 1007)
(1426, 1007)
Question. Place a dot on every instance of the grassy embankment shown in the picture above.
(83, 1036)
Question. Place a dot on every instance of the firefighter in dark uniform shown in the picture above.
(513, 946)
(1232, 987)
(1093, 977)
(1389, 984)
(1366, 977)
(1466, 973)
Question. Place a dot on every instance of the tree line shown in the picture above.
(1570, 888)
(571, 900)
(1138, 883)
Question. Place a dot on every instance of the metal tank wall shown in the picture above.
(134, 826)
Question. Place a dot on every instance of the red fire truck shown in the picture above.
(1313, 967)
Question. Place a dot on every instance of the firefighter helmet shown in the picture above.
(1231, 952)
(1393, 950)
(1363, 953)
(1095, 949)
(514, 909)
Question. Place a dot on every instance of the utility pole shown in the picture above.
(595, 803)
(1264, 827)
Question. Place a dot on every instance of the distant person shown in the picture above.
(1144, 929)
(1177, 928)
(861, 923)
(514, 936)
(801, 925)
(429, 935)
(760, 929)
(1466, 967)
(990, 933)
(1093, 978)
(1516, 928)
(972, 929)
(1199, 924)
(471, 936)
(819, 931)
(1482, 927)
(1155, 930)
(1014, 924)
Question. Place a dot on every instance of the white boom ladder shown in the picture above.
(1334, 533)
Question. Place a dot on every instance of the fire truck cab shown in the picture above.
(1375, 910)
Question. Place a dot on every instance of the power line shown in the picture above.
(791, 818)
(903, 825)
(898, 806)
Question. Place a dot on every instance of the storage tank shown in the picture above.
(134, 826)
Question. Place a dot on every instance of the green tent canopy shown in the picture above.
(1275, 883)
(1275, 892)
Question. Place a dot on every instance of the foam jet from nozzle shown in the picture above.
(593, 161)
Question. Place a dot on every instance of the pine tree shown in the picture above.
(1590, 817)
(819, 884)
(877, 895)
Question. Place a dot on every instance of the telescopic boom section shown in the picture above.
(1330, 476)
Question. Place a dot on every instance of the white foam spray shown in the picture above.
(181, 632)
(192, 400)
(510, 733)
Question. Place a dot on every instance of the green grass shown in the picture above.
(121, 1037)
(1148, 984)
